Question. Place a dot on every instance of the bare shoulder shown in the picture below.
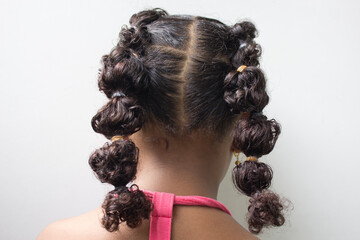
(54, 231)
(84, 226)
(202, 223)
(237, 230)
(207, 223)
(232, 230)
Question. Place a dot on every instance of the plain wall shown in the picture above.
(50, 55)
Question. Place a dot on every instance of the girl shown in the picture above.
(185, 94)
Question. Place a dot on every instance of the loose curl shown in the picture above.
(179, 72)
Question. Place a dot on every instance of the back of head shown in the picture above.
(180, 73)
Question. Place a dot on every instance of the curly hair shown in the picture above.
(180, 72)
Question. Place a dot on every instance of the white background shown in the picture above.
(49, 57)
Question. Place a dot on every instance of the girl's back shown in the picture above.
(188, 223)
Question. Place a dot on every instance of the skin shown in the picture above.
(192, 165)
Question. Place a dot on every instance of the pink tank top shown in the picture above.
(161, 216)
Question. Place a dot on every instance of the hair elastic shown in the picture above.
(241, 68)
(251, 114)
(256, 114)
(135, 55)
(118, 93)
(251, 158)
(245, 115)
(119, 137)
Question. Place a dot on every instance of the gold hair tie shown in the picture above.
(118, 137)
(135, 55)
(251, 158)
(241, 68)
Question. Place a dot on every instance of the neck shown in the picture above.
(193, 165)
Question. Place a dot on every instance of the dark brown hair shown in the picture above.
(179, 72)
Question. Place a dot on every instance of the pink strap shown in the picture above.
(201, 201)
(161, 216)
(160, 219)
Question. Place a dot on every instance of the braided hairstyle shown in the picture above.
(178, 72)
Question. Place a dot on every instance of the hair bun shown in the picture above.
(115, 162)
(244, 30)
(146, 16)
(245, 91)
(265, 209)
(125, 204)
